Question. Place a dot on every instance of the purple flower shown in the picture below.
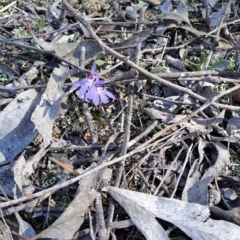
(98, 94)
(92, 74)
(91, 88)
(85, 84)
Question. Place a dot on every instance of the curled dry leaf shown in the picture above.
(191, 218)
(195, 189)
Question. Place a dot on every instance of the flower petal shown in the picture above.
(97, 76)
(109, 94)
(91, 92)
(85, 98)
(95, 99)
(93, 69)
(81, 93)
(104, 98)
(75, 86)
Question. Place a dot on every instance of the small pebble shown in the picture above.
(229, 194)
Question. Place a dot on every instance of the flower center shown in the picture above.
(98, 85)
(90, 76)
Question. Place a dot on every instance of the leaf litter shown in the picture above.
(150, 150)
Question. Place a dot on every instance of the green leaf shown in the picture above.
(100, 62)
(27, 52)
(142, 64)
(194, 66)
(40, 23)
(202, 57)
(220, 65)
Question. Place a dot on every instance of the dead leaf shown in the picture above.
(216, 17)
(236, 95)
(224, 45)
(31, 165)
(179, 17)
(163, 115)
(60, 49)
(16, 129)
(133, 41)
(233, 127)
(195, 190)
(48, 109)
(143, 219)
(5, 232)
(191, 218)
(17, 224)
